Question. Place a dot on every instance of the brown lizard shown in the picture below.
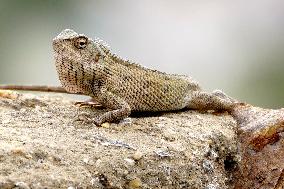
(88, 67)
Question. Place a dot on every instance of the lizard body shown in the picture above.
(88, 67)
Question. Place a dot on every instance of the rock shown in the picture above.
(7, 184)
(137, 155)
(261, 141)
(135, 183)
(105, 125)
(45, 146)
(22, 185)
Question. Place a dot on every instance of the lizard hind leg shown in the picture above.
(217, 101)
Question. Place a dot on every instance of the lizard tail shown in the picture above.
(40, 88)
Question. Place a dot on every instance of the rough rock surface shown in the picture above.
(47, 142)
(261, 147)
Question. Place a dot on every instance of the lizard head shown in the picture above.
(74, 47)
(74, 55)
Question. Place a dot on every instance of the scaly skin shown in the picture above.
(88, 67)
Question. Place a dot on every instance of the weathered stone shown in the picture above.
(44, 144)
(47, 146)
(261, 143)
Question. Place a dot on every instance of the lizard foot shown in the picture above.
(85, 118)
(97, 121)
(89, 103)
(224, 96)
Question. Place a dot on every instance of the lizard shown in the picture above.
(88, 67)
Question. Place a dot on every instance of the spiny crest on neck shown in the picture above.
(118, 59)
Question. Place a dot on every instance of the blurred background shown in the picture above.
(236, 46)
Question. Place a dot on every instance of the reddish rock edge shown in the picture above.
(261, 147)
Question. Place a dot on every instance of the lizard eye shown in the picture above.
(81, 42)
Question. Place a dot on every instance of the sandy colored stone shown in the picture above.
(105, 125)
(184, 149)
(44, 144)
(137, 155)
(135, 183)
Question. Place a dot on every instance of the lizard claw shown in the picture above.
(224, 96)
(84, 117)
(89, 103)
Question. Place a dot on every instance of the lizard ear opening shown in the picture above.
(81, 42)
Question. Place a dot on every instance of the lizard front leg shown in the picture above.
(121, 108)
(89, 103)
